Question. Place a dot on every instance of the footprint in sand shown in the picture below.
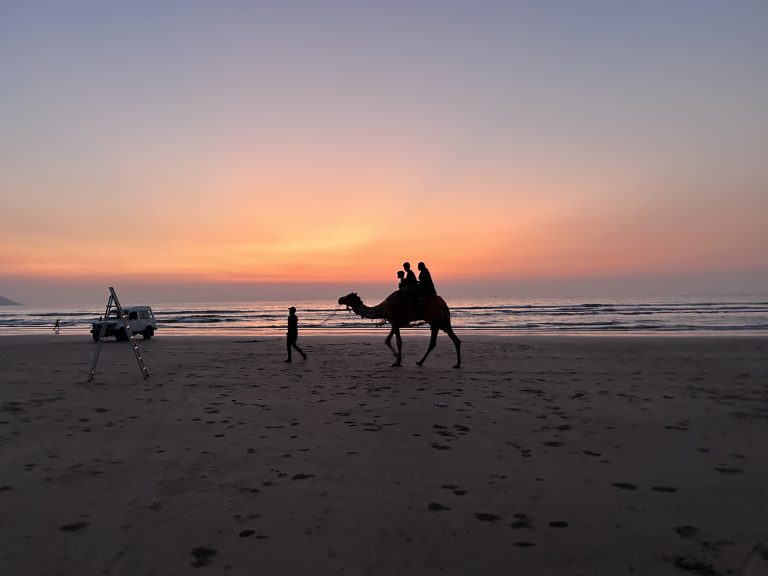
(682, 427)
(523, 521)
(728, 470)
(456, 490)
(248, 533)
(486, 516)
(694, 565)
(687, 531)
(202, 556)
(625, 485)
(74, 527)
(437, 507)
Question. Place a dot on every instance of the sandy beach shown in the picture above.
(541, 455)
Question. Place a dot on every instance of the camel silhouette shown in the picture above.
(401, 309)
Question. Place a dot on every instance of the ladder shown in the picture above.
(113, 302)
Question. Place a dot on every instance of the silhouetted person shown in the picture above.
(410, 278)
(57, 326)
(425, 281)
(401, 279)
(293, 333)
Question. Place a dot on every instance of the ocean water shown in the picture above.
(679, 315)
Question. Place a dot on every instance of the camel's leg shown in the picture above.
(432, 344)
(457, 343)
(399, 341)
(396, 333)
(388, 342)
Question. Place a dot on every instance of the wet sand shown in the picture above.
(542, 455)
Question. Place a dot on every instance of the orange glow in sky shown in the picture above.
(299, 145)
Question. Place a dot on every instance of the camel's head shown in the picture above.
(351, 300)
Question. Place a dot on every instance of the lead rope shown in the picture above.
(331, 315)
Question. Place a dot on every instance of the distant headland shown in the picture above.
(6, 302)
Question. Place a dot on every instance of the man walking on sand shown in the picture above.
(293, 333)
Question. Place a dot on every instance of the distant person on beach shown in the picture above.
(401, 279)
(293, 333)
(425, 281)
(57, 326)
(410, 278)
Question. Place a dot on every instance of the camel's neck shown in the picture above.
(368, 311)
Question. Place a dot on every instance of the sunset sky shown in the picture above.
(211, 150)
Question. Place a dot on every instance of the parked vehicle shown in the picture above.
(141, 320)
